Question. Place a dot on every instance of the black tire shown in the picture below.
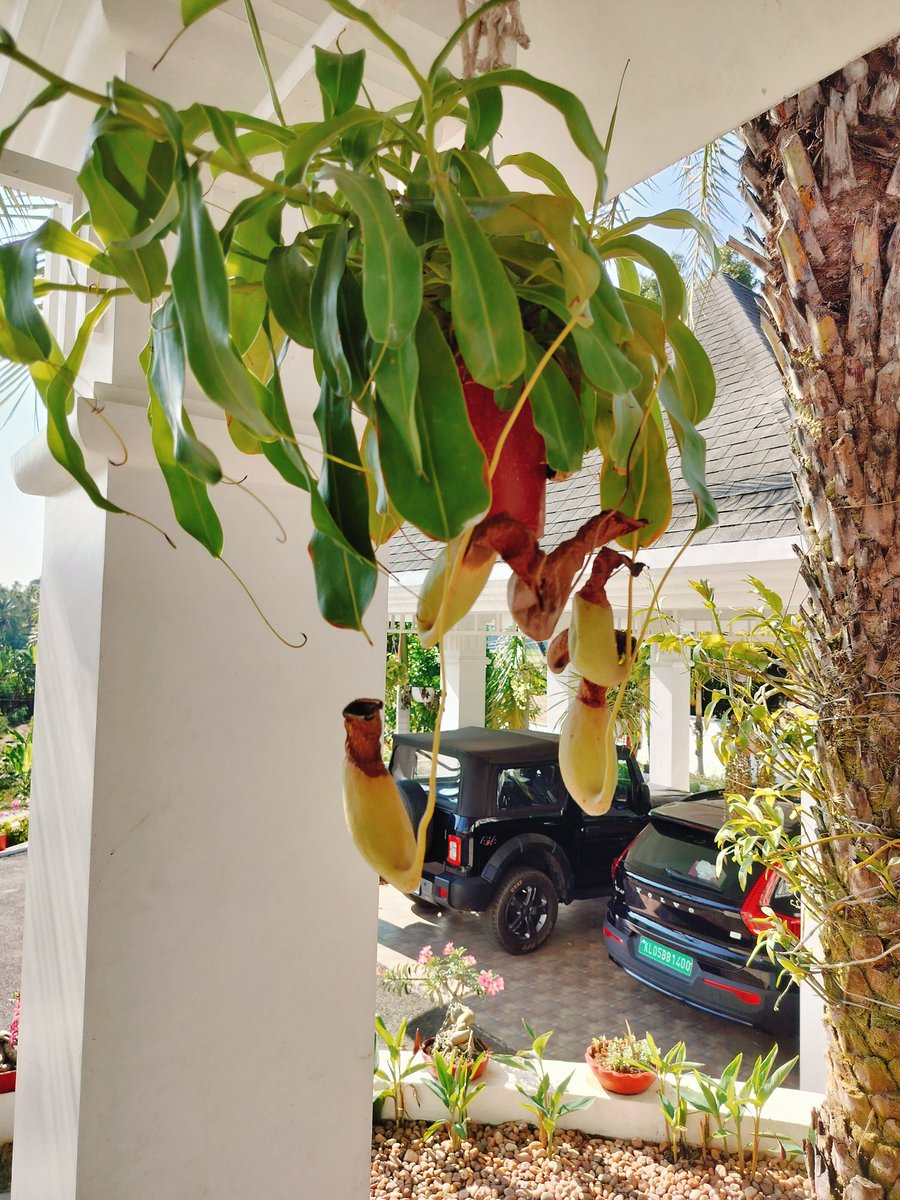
(523, 912)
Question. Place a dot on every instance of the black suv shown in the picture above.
(680, 924)
(506, 838)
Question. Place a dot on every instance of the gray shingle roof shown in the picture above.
(748, 455)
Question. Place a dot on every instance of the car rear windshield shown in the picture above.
(678, 855)
(410, 763)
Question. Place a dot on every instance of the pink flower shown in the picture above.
(495, 986)
(449, 948)
(425, 954)
(469, 960)
(484, 978)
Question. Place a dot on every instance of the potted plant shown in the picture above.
(447, 978)
(471, 341)
(9, 1044)
(621, 1064)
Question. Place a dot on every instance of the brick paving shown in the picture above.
(569, 986)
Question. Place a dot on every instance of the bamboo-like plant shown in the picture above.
(474, 331)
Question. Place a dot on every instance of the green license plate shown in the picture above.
(682, 964)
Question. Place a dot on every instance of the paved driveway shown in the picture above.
(569, 986)
(13, 868)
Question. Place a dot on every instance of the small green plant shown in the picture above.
(454, 1089)
(546, 1102)
(764, 1079)
(669, 1068)
(391, 1069)
(627, 1053)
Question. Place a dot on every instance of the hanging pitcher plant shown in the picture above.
(472, 341)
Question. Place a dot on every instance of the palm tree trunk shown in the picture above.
(822, 175)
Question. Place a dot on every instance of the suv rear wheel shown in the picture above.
(523, 912)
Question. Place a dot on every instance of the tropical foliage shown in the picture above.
(415, 270)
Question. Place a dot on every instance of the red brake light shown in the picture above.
(760, 897)
(746, 997)
(607, 932)
(619, 858)
(454, 850)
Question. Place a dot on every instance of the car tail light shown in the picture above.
(618, 858)
(454, 850)
(760, 897)
(607, 932)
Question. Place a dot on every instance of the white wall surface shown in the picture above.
(200, 932)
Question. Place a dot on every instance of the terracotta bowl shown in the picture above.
(427, 1048)
(622, 1083)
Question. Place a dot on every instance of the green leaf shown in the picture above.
(674, 218)
(222, 127)
(473, 176)
(326, 282)
(24, 336)
(557, 413)
(340, 78)
(454, 491)
(55, 381)
(288, 281)
(645, 490)
(553, 218)
(127, 180)
(485, 115)
(165, 378)
(691, 446)
(191, 504)
(391, 268)
(671, 285)
(345, 584)
(485, 310)
(200, 289)
(384, 520)
(573, 111)
(192, 10)
(314, 136)
(696, 377)
(603, 363)
(396, 386)
(537, 167)
(629, 278)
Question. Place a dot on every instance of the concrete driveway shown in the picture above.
(569, 986)
(13, 868)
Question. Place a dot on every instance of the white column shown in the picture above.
(560, 689)
(200, 933)
(670, 714)
(464, 663)
(813, 1036)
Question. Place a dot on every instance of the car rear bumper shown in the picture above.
(467, 893)
(714, 985)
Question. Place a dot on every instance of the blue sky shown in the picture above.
(22, 516)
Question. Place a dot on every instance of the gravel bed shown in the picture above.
(504, 1162)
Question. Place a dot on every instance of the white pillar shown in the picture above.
(813, 1037)
(670, 715)
(560, 689)
(464, 663)
(200, 933)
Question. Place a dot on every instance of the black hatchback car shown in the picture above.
(676, 923)
(506, 838)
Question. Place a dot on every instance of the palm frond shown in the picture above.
(708, 185)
